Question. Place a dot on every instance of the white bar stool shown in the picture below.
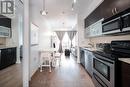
(45, 60)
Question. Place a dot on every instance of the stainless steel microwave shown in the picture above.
(117, 25)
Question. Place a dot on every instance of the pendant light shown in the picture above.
(43, 11)
(73, 3)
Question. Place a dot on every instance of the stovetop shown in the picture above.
(114, 50)
(108, 55)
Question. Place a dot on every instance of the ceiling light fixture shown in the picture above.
(72, 7)
(43, 11)
(75, 1)
(73, 4)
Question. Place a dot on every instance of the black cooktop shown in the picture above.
(109, 55)
(117, 49)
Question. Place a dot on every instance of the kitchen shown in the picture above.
(102, 41)
(11, 26)
(106, 33)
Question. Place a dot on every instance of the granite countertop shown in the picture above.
(126, 60)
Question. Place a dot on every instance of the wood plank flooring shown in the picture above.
(11, 76)
(69, 74)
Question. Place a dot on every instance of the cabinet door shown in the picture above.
(93, 17)
(121, 5)
(125, 74)
(4, 21)
(94, 29)
(4, 59)
(113, 7)
(8, 57)
(88, 62)
(107, 8)
(14, 53)
(82, 58)
(11, 55)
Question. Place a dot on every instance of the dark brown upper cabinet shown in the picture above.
(122, 5)
(107, 9)
(93, 17)
(113, 7)
(5, 22)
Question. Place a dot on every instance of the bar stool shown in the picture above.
(56, 57)
(45, 60)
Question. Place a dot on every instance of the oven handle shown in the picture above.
(105, 61)
(121, 23)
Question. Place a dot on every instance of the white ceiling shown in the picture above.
(60, 15)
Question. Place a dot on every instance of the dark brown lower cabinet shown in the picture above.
(125, 74)
(7, 57)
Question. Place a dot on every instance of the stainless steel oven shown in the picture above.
(103, 71)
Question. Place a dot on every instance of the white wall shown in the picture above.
(34, 54)
(43, 37)
(34, 60)
(44, 42)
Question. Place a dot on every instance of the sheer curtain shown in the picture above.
(60, 35)
(71, 35)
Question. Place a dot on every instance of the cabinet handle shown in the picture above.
(113, 11)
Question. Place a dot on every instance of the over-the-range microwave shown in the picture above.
(117, 24)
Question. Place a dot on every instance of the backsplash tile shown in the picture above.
(108, 39)
(2, 41)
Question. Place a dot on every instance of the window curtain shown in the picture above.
(71, 35)
(60, 35)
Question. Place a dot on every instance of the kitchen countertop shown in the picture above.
(4, 47)
(89, 48)
(126, 60)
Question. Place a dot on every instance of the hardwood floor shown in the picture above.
(11, 76)
(69, 74)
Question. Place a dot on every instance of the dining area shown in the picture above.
(66, 73)
(49, 58)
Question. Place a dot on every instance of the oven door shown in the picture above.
(103, 72)
(112, 26)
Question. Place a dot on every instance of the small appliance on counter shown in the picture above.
(105, 63)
